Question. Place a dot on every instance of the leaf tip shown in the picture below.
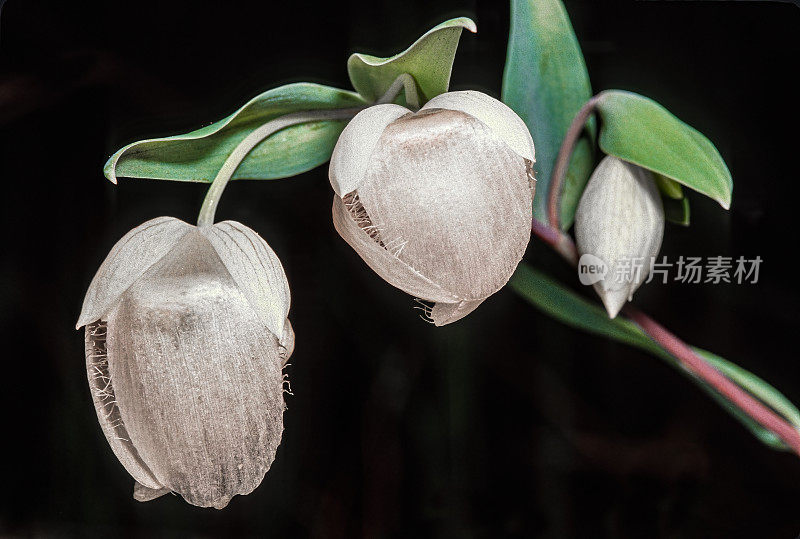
(109, 169)
(463, 22)
(469, 24)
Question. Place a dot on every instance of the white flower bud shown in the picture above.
(620, 220)
(437, 202)
(186, 336)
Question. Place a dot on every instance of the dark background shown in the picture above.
(506, 424)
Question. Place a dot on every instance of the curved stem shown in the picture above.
(562, 160)
(727, 388)
(681, 351)
(209, 208)
(404, 82)
(556, 239)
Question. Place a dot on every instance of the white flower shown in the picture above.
(186, 337)
(620, 219)
(437, 202)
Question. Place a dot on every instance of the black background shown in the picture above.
(506, 424)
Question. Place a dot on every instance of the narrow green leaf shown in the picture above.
(571, 309)
(197, 156)
(639, 130)
(545, 81)
(677, 211)
(429, 60)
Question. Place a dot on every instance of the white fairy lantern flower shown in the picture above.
(437, 202)
(186, 337)
(620, 220)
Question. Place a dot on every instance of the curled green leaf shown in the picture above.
(429, 60)
(639, 130)
(197, 156)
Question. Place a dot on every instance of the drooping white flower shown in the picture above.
(620, 220)
(437, 202)
(186, 336)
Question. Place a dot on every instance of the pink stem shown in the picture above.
(562, 160)
(561, 243)
(701, 368)
(687, 357)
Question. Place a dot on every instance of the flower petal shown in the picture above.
(447, 313)
(105, 404)
(352, 152)
(197, 379)
(614, 299)
(142, 493)
(287, 343)
(620, 219)
(256, 270)
(451, 200)
(501, 120)
(388, 266)
(128, 260)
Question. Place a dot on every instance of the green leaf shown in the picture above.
(545, 81)
(677, 211)
(571, 309)
(197, 156)
(429, 60)
(639, 130)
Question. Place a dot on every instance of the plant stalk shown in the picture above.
(724, 385)
(681, 351)
(562, 243)
(209, 208)
(404, 82)
(562, 160)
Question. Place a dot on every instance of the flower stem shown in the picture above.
(404, 82)
(562, 160)
(407, 83)
(556, 239)
(209, 208)
(724, 385)
(551, 234)
(681, 351)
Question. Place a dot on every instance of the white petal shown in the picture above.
(352, 152)
(105, 404)
(503, 122)
(613, 299)
(197, 378)
(620, 219)
(287, 343)
(142, 493)
(128, 260)
(384, 263)
(451, 200)
(256, 270)
(447, 313)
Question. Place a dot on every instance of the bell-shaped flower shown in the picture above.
(437, 202)
(186, 337)
(620, 220)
